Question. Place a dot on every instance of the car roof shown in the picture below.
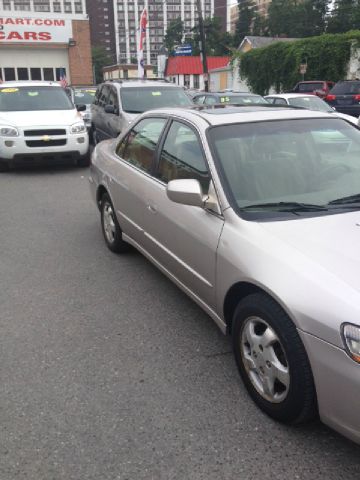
(141, 83)
(228, 114)
(29, 83)
(232, 94)
(291, 95)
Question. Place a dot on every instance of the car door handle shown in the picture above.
(151, 209)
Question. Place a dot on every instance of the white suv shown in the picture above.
(39, 123)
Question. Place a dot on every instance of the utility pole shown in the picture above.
(203, 46)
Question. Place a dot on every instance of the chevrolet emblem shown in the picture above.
(46, 138)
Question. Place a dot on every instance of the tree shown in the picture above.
(174, 34)
(244, 23)
(344, 16)
(100, 59)
(217, 42)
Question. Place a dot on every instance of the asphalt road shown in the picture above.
(109, 372)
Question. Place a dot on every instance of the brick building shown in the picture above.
(44, 40)
(102, 27)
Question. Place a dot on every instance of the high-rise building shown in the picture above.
(102, 27)
(45, 40)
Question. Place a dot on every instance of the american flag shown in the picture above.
(142, 35)
(63, 81)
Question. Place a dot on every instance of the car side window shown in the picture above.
(280, 101)
(103, 98)
(113, 100)
(199, 99)
(210, 100)
(139, 145)
(182, 157)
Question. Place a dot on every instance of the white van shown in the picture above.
(40, 124)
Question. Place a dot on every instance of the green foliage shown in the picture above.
(100, 59)
(345, 16)
(217, 42)
(245, 21)
(277, 65)
(174, 34)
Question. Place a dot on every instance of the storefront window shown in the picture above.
(59, 71)
(35, 73)
(22, 74)
(196, 81)
(48, 74)
(9, 74)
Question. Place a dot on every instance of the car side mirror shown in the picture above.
(110, 109)
(186, 192)
(80, 107)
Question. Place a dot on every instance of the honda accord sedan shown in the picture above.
(255, 213)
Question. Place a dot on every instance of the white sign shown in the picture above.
(34, 30)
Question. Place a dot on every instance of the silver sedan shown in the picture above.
(254, 213)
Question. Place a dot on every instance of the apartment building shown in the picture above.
(45, 40)
(102, 26)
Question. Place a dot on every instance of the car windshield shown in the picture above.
(346, 88)
(311, 103)
(310, 87)
(305, 161)
(84, 96)
(141, 99)
(29, 98)
(242, 99)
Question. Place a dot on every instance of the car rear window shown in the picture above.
(33, 98)
(310, 87)
(345, 88)
(138, 100)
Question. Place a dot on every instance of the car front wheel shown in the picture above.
(272, 360)
(110, 227)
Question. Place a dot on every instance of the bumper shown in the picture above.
(337, 381)
(16, 148)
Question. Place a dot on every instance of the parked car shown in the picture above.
(254, 213)
(320, 88)
(230, 97)
(83, 95)
(345, 97)
(118, 103)
(310, 102)
(39, 123)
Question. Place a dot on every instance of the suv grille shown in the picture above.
(43, 143)
(36, 133)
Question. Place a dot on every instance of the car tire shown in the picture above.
(272, 360)
(85, 160)
(110, 227)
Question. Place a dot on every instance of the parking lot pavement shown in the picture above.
(109, 372)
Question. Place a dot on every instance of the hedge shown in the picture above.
(277, 65)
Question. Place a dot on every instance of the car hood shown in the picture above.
(333, 242)
(40, 118)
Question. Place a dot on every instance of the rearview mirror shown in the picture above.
(186, 192)
(80, 107)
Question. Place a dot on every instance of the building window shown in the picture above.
(56, 7)
(58, 72)
(9, 74)
(187, 80)
(197, 81)
(22, 74)
(67, 7)
(78, 7)
(48, 74)
(35, 73)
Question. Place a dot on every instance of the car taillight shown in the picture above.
(330, 98)
(357, 98)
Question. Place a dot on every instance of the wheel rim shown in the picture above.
(264, 360)
(109, 223)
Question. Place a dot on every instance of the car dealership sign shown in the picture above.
(34, 30)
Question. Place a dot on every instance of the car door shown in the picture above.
(182, 238)
(129, 173)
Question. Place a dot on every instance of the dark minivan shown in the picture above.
(345, 97)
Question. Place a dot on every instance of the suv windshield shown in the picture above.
(346, 88)
(23, 99)
(307, 162)
(311, 103)
(84, 96)
(141, 99)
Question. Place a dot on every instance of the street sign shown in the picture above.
(303, 68)
(183, 50)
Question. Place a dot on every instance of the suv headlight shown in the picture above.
(8, 131)
(351, 338)
(78, 128)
